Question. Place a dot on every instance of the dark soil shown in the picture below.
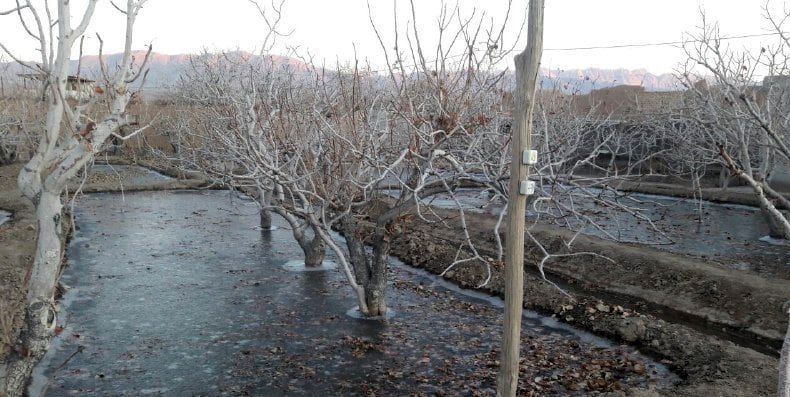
(668, 305)
(17, 247)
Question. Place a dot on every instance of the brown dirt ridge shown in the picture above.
(670, 306)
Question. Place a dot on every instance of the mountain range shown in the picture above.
(164, 70)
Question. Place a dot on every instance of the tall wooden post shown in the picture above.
(527, 67)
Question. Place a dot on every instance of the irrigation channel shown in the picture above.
(179, 293)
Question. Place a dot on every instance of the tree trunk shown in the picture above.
(266, 219)
(39, 314)
(376, 287)
(778, 224)
(264, 199)
(784, 361)
(314, 251)
(370, 271)
(724, 178)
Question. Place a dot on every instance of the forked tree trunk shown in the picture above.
(370, 270)
(314, 247)
(314, 250)
(39, 314)
(59, 155)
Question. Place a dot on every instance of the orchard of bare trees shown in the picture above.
(489, 179)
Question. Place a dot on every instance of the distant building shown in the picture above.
(77, 88)
(627, 102)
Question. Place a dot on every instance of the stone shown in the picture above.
(632, 329)
(602, 308)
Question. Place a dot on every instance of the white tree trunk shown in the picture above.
(40, 316)
(46, 265)
(63, 149)
(777, 221)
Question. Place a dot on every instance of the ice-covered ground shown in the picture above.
(177, 293)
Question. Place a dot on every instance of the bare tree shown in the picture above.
(237, 113)
(75, 131)
(17, 121)
(744, 122)
(350, 149)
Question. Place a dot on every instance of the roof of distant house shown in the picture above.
(41, 76)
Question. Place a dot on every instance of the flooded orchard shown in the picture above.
(178, 293)
(124, 174)
(730, 234)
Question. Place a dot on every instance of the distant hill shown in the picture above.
(165, 70)
(585, 80)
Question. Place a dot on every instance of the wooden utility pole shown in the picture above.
(527, 65)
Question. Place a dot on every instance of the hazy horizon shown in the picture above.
(330, 32)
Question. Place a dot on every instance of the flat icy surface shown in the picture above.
(177, 293)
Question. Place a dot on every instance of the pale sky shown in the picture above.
(332, 29)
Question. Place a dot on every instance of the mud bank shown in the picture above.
(17, 247)
(157, 165)
(123, 176)
(734, 195)
(727, 235)
(667, 305)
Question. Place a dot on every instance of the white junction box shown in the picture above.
(527, 188)
(529, 157)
